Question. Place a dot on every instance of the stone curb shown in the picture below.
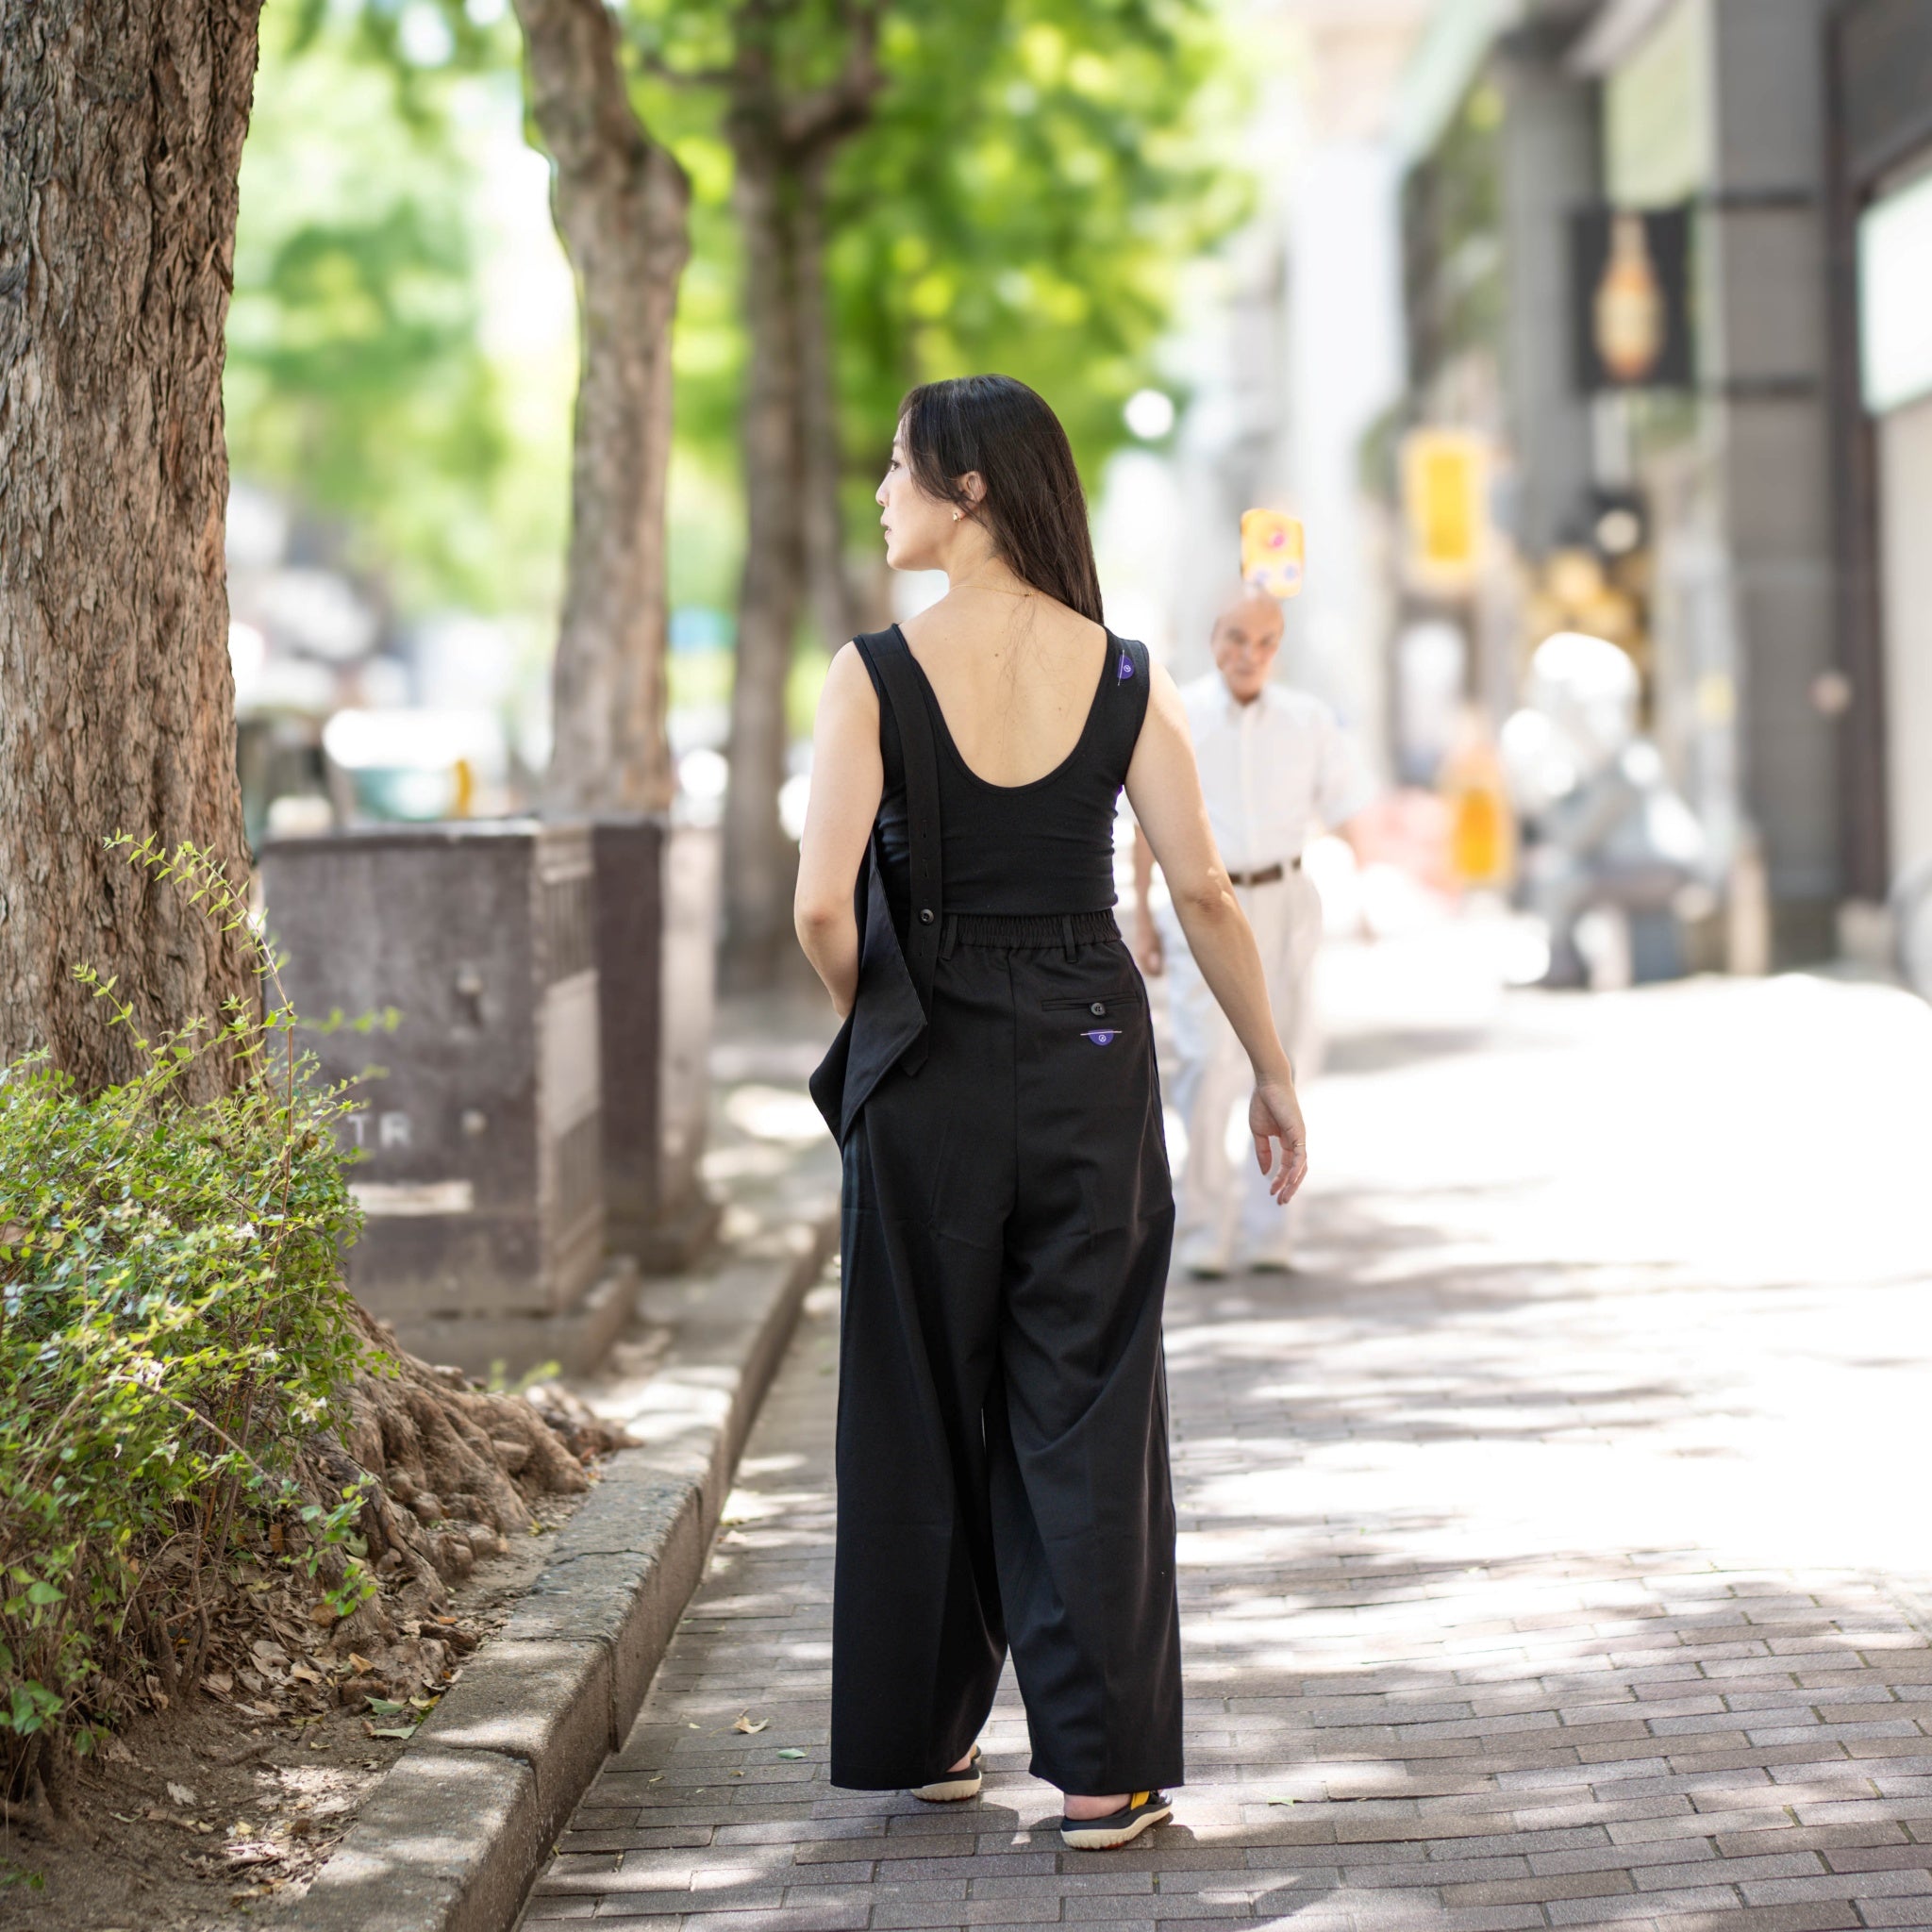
(455, 1834)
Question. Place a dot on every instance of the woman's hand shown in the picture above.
(1274, 1114)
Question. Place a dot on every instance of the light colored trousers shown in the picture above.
(1225, 1206)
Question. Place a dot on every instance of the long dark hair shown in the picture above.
(1034, 505)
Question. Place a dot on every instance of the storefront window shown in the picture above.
(1895, 297)
(1656, 113)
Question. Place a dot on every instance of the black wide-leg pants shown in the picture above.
(1002, 1448)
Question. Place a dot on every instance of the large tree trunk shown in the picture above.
(758, 878)
(620, 202)
(121, 130)
(820, 460)
(783, 145)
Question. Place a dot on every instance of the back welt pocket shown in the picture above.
(1114, 1006)
(1102, 1021)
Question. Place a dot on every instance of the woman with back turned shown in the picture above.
(1002, 1451)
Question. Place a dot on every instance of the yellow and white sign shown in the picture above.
(1274, 552)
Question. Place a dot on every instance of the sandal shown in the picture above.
(955, 1784)
(1141, 1812)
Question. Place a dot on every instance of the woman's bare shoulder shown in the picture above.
(1063, 625)
(848, 687)
(966, 613)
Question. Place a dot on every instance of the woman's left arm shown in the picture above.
(847, 779)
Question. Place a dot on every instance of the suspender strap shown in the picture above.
(890, 657)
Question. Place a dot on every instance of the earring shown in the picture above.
(955, 516)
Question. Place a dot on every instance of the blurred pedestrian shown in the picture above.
(1275, 769)
(1008, 1216)
(1611, 833)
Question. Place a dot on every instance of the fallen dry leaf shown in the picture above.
(359, 1664)
(743, 1722)
(181, 1794)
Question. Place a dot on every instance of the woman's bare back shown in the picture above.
(1015, 678)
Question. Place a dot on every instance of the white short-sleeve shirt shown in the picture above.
(1274, 773)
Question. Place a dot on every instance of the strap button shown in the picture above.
(926, 915)
(1098, 1007)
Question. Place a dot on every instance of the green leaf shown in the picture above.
(791, 1751)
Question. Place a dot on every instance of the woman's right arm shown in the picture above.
(847, 780)
(1164, 789)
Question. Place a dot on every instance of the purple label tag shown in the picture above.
(1103, 1035)
(1127, 668)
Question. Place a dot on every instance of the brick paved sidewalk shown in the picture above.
(1526, 1554)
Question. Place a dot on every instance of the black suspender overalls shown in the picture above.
(1001, 1445)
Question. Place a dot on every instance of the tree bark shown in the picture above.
(620, 202)
(821, 458)
(783, 145)
(758, 876)
(121, 130)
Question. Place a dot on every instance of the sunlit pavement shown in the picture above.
(1552, 1544)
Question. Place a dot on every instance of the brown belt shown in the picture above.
(1268, 876)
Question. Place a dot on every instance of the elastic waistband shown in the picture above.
(1012, 933)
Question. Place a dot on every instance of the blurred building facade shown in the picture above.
(1668, 263)
(1290, 348)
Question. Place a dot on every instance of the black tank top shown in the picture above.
(1046, 847)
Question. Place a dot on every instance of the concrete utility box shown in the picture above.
(657, 908)
(484, 1162)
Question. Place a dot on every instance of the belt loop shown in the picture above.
(1067, 933)
(949, 936)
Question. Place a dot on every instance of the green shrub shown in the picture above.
(173, 1328)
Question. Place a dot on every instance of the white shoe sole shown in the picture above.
(949, 1790)
(1105, 1835)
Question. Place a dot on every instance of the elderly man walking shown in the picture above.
(1276, 770)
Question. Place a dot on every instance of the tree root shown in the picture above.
(447, 1469)
(456, 1467)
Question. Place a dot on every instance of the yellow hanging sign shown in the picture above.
(1445, 509)
(1274, 552)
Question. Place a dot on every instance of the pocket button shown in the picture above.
(1099, 1007)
